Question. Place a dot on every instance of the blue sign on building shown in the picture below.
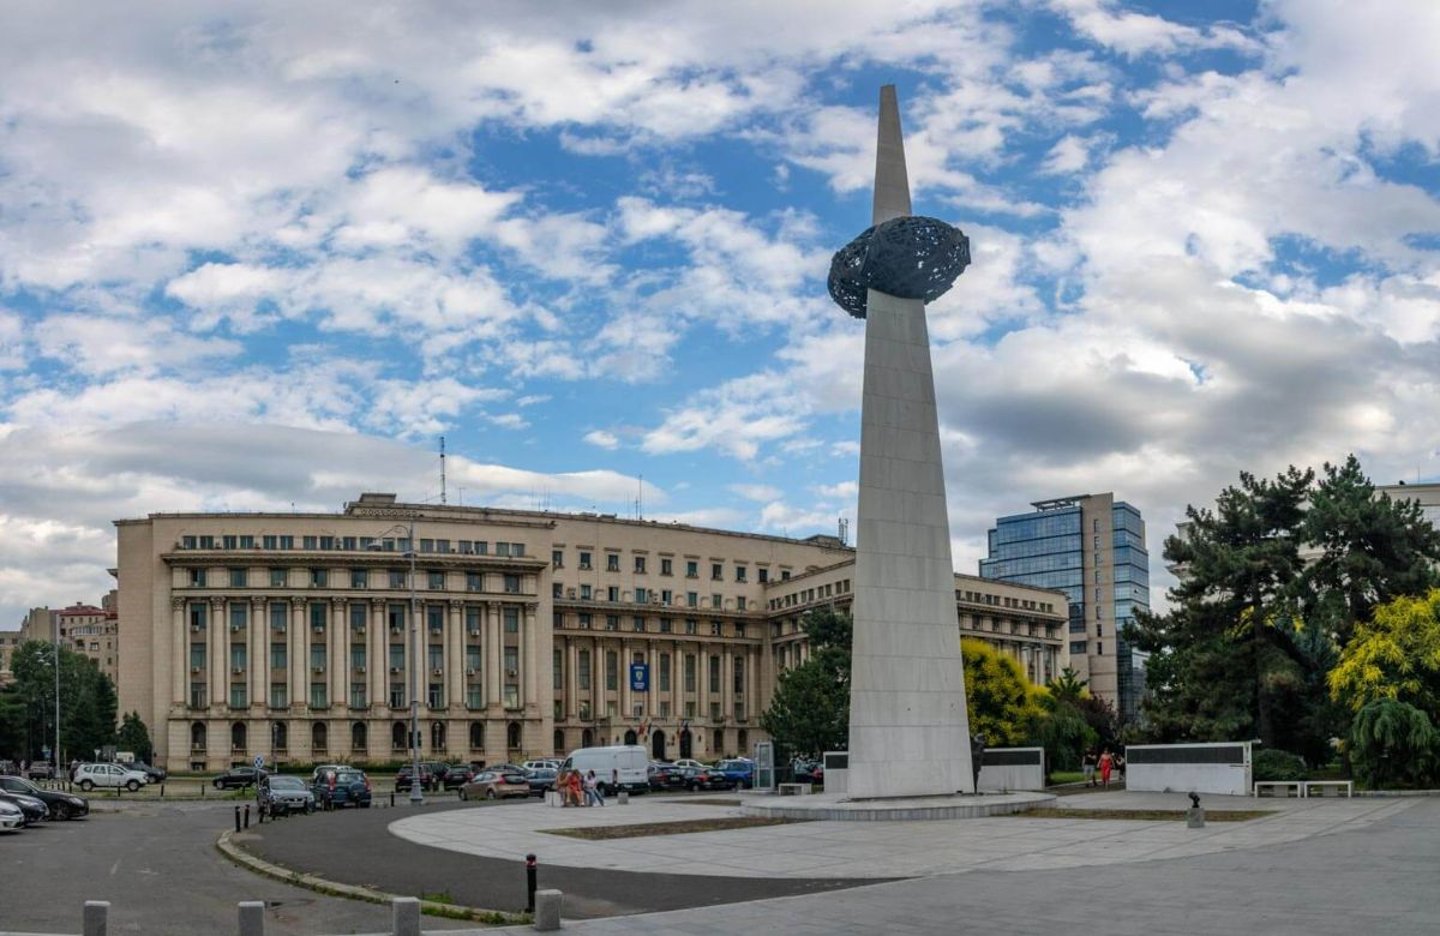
(639, 677)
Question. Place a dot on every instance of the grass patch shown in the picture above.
(1143, 815)
(605, 833)
(439, 897)
(1066, 776)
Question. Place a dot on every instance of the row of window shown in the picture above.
(584, 711)
(584, 620)
(1078, 648)
(433, 580)
(318, 614)
(640, 566)
(663, 596)
(282, 541)
(239, 696)
(359, 736)
(809, 595)
(662, 676)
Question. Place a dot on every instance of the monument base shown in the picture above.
(838, 807)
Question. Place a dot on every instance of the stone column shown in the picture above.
(627, 698)
(338, 652)
(218, 641)
(455, 658)
(259, 655)
(572, 679)
(293, 644)
(494, 664)
(179, 655)
(377, 662)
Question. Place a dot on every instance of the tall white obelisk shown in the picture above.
(909, 730)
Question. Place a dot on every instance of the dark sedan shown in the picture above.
(666, 777)
(541, 780)
(404, 777)
(238, 778)
(706, 778)
(33, 809)
(61, 805)
(457, 775)
(280, 796)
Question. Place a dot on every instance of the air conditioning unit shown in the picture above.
(238, 671)
(319, 669)
(435, 629)
(318, 628)
(195, 628)
(196, 669)
(511, 672)
(437, 671)
(234, 628)
(395, 628)
(395, 671)
(470, 671)
(359, 669)
(474, 632)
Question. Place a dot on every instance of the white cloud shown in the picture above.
(602, 439)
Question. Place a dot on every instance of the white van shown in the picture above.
(627, 765)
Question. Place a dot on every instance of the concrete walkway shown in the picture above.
(861, 850)
(1371, 873)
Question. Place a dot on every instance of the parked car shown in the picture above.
(457, 775)
(617, 767)
(666, 777)
(341, 787)
(90, 776)
(238, 778)
(740, 770)
(706, 778)
(156, 774)
(806, 771)
(551, 763)
(41, 770)
(10, 816)
(33, 810)
(280, 795)
(496, 784)
(404, 777)
(62, 805)
(688, 762)
(541, 780)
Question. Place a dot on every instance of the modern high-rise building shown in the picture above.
(1091, 547)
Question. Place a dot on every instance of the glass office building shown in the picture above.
(1091, 547)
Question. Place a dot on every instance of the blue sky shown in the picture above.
(267, 256)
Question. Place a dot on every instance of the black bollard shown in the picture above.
(247, 815)
(392, 798)
(530, 874)
(162, 791)
(237, 818)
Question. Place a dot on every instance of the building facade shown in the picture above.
(289, 635)
(90, 631)
(1091, 547)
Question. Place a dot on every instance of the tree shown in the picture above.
(810, 711)
(87, 700)
(1062, 730)
(135, 737)
(1253, 630)
(1396, 656)
(1003, 705)
(1393, 743)
(1068, 686)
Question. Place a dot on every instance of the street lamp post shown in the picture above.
(55, 773)
(417, 796)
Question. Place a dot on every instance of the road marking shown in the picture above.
(116, 866)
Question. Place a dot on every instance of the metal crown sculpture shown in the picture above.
(910, 257)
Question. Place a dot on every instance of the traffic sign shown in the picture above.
(639, 677)
(259, 761)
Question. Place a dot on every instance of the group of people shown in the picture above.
(1098, 767)
(578, 790)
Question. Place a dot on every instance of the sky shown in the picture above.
(264, 256)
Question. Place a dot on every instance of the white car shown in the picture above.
(546, 763)
(90, 776)
(10, 816)
(688, 762)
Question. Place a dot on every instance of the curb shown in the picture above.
(358, 892)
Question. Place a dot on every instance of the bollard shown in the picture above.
(547, 909)
(1195, 817)
(247, 815)
(162, 791)
(237, 818)
(624, 798)
(530, 874)
(97, 915)
(252, 918)
(392, 799)
(406, 916)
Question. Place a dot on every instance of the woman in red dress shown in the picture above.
(1107, 763)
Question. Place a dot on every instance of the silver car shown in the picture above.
(280, 795)
(10, 816)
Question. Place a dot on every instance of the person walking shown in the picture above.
(592, 791)
(1087, 766)
(1107, 763)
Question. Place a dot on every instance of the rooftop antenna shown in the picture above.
(442, 469)
(640, 498)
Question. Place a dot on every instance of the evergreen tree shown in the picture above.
(135, 737)
(810, 711)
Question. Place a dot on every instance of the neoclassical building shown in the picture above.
(288, 635)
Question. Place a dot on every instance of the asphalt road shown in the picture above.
(158, 867)
(353, 847)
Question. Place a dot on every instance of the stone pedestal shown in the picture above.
(1195, 817)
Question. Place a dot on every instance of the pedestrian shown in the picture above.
(572, 788)
(592, 791)
(1107, 763)
(1120, 765)
(1087, 766)
(977, 759)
